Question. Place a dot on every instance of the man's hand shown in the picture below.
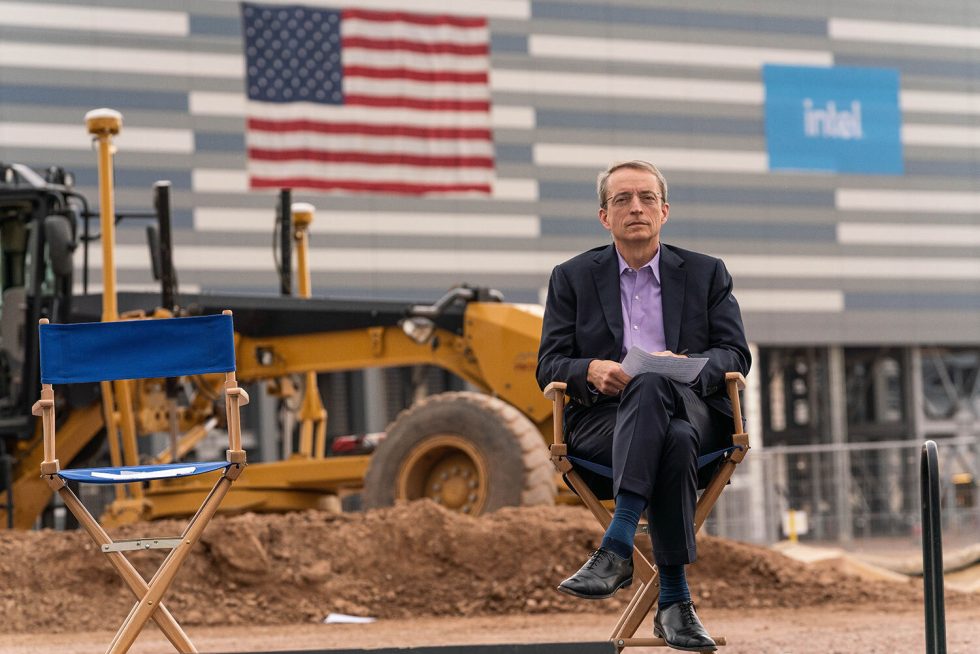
(608, 377)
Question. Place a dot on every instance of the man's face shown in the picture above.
(634, 211)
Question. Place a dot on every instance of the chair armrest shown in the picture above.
(735, 383)
(552, 390)
(737, 378)
(242, 395)
(40, 406)
(555, 391)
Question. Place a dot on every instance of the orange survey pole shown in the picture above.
(103, 125)
(312, 413)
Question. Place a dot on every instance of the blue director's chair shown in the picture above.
(722, 463)
(140, 349)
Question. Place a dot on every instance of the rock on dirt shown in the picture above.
(410, 560)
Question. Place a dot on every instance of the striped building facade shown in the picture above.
(867, 283)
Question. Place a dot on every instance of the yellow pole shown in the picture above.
(103, 124)
(312, 413)
(793, 538)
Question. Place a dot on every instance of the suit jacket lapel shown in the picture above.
(672, 285)
(605, 272)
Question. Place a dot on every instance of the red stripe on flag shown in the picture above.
(432, 47)
(307, 154)
(318, 127)
(416, 19)
(417, 103)
(480, 77)
(364, 187)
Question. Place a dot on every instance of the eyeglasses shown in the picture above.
(623, 200)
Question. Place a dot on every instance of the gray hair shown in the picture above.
(636, 164)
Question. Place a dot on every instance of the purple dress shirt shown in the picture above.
(643, 316)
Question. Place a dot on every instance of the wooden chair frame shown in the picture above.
(149, 594)
(646, 572)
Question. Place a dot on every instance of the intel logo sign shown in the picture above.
(830, 123)
(839, 119)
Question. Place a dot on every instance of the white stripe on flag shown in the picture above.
(372, 172)
(368, 144)
(367, 115)
(415, 89)
(415, 60)
(413, 32)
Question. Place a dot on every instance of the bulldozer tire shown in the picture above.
(467, 451)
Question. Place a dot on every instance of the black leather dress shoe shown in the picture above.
(680, 627)
(602, 575)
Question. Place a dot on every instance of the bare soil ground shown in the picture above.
(827, 630)
(433, 577)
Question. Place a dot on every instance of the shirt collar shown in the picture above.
(653, 265)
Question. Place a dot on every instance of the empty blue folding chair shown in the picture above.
(723, 462)
(140, 349)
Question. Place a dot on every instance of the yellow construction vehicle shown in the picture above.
(471, 451)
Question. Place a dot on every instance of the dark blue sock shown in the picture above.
(622, 529)
(673, 585)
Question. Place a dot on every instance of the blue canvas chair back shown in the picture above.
(136, 349)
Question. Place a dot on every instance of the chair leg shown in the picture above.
(164, 576)
(636, 610)
(168, 625)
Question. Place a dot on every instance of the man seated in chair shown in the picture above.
(649, 429)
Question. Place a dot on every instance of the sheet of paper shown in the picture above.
(341, 618)
(682, 369)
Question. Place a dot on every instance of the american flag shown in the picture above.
(356, 101)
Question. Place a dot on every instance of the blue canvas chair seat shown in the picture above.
(606, 471)
(723, 463)
(141, 349)
(129, 474)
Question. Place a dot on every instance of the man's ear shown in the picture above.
(604, 219)
(666, 212)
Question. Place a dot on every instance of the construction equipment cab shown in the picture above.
(38, 222)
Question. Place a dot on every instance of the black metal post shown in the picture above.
(168, 297)
(286, 241)
(168, 279)
(932, 551)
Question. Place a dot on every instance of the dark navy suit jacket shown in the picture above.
(583, 320)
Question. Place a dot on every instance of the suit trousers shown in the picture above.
(651, 436)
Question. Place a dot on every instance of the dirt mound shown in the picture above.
(410, 560)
